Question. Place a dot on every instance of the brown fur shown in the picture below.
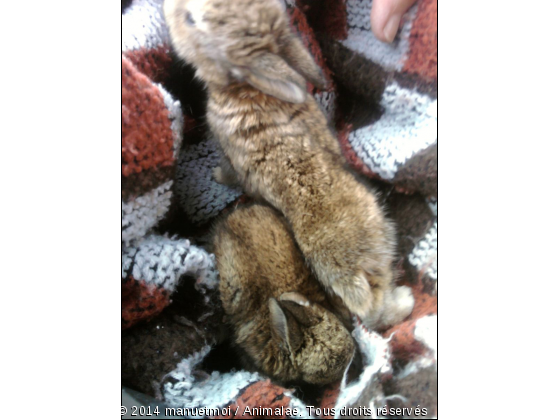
(273, 302)
(277, 142)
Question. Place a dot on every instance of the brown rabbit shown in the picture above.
(273, 302)
(278, 145)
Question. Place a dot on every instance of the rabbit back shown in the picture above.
(279, 144)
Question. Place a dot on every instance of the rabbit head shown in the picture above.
(314, 340)
(242, 41)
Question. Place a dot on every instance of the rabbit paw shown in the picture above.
(218, 175)
(398, 305)
(404, 301)
(225, 175)
(356, 294)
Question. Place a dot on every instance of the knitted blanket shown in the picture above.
(382, 100)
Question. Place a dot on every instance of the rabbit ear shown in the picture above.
(299, 307)
(294, 297)
(302, 314)
(297, 56)
(272, 75)
(284, 328)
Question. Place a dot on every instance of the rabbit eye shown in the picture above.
(190, 19)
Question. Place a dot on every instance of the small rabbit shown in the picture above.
(278, 145)
(274, 304)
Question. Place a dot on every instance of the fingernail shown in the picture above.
(391, 28)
